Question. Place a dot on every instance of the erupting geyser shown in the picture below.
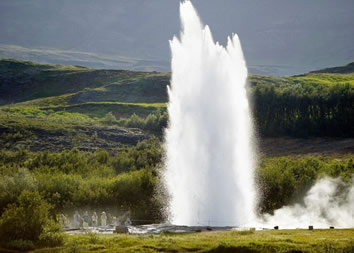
(209, 163)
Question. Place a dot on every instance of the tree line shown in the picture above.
(304, 110)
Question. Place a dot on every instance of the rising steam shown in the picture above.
(330, 202)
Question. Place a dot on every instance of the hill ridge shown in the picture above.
(346, 69)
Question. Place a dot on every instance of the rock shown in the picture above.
(121, 229)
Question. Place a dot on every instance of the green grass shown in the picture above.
(311, 79)
(259, 241)
(35, 118)
(119, 109)
(324, 79)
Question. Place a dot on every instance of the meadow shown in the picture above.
(326, 241)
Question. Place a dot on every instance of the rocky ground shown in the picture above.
(84, 138)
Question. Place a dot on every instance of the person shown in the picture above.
(62, 220)
(85, 218)
(103, 219)
(76, 219)
(94, 219)
(115, 221)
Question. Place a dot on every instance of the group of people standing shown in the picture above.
(86, 220)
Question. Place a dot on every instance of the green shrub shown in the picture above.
(12, 182)
(51, 237)
(109, 119)
(28, 220)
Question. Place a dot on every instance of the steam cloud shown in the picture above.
(330, 202)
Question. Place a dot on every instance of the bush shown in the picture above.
(28, 220)
(154, 123)
(109, 119)
(51, 236)
(12, 183)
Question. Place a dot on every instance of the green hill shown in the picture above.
(22, 81)
(82, 101)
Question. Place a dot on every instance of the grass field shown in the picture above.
(235, 241)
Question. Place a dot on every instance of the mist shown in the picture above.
(330, 202)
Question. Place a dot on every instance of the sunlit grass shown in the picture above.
(258, 241)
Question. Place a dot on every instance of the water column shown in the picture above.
(209, 152)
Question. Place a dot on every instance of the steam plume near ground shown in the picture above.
(330, 202)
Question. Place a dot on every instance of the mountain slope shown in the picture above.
(347, 69)
(22, 81)
(58, 107)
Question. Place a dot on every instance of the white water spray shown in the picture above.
(209, 163)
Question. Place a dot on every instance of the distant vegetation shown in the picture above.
(310, 105)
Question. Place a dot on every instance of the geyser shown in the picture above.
(209, 163)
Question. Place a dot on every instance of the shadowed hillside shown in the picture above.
(347, 69)
(23, 81)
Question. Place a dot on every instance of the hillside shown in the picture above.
(87, 59)
(22, 81)
(59, 107)
(347, 69)
(54, 101)
(46, 84)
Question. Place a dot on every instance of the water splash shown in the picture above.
(209, 163)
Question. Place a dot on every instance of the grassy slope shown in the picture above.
(48, 93)
(58, 85)
(22, 81)
(234, 241)
(52, 103)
